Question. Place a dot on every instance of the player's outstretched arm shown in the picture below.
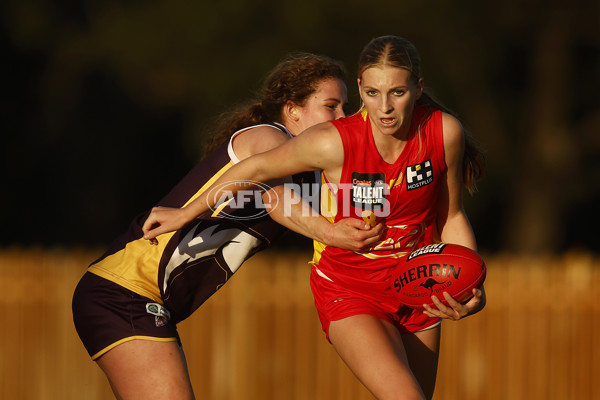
(296, 214)
(318, 148)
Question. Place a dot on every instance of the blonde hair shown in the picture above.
(398, 52)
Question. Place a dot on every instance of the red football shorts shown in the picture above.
(335, 302)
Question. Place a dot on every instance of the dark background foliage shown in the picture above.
(104, 103)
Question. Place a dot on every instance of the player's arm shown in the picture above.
(250, 142)
(296, 214)
(452, 222)
(318, 148)
(293, 211)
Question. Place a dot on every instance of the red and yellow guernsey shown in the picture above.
(402, 194)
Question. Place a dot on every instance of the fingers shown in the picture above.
(475, 303)
(372, 235)
(378, 229)
(152, 234)
(453, 311)
(440, 310)
(362, 226)
(366, 231)
(356, 236)
(451, 302)
(356, 224)
(156, 231)
(150, 222)
(365, 239)
(152, 227)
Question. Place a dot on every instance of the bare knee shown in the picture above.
(374, 352)
(422, 349)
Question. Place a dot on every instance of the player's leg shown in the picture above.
(373, 349)
(106, 314)
(145, 369)
(422, 349)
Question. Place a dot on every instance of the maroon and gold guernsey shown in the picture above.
(191, 264)
(402, 194)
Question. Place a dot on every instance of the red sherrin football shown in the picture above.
(438, 268)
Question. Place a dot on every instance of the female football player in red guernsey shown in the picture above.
(402, 159)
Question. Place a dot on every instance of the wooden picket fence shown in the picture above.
(259, 337)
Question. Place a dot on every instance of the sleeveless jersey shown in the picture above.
(402, 194)
(191, 264)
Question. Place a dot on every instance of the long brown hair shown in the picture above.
(398, 52)
(294, 79)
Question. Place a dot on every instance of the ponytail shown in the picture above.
(473, 167)
(227, 123)
(294, 79)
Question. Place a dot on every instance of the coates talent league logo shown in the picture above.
(368, 190)
(229, 201)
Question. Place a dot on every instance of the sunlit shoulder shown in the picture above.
(258, 140)
(321, 144)
(453, 131)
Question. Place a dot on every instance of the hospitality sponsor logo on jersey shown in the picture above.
(368, 190)
(419, 175)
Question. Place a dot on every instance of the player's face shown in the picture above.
(325, 104)
(389, 95)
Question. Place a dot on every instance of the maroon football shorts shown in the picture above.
(106, 315)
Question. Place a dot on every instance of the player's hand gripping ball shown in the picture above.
(438, 268)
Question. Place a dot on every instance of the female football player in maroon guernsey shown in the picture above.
(129, 301)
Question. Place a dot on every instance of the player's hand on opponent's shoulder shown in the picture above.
(455, 310)
(354, 235)
(163, 220)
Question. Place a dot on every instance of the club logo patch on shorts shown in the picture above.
(161, 314)
(419, 175)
